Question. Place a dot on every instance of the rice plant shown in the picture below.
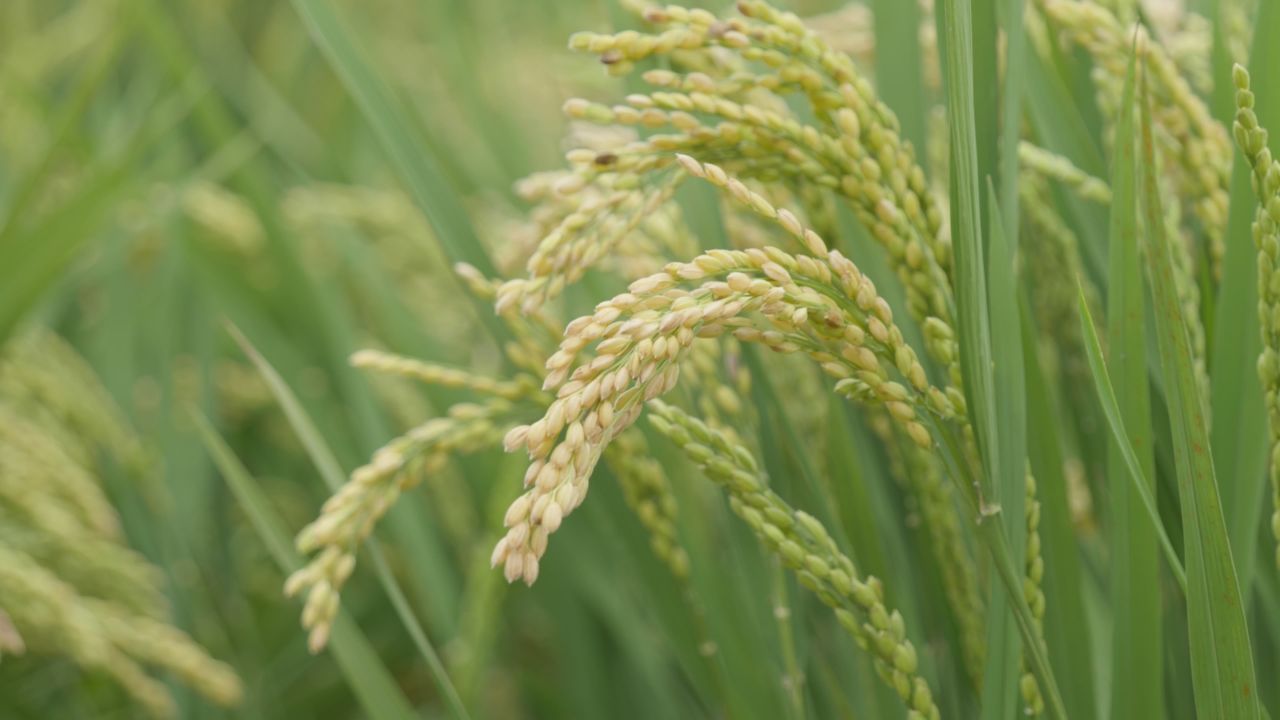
(882, 359)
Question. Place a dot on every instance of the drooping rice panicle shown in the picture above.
(1251, 138)
(645, 486)
(52, 616)
(938, 334)
(586, 235)
(226, 216)
(819, 304)
(857, 153)
(50, 384)
(805, 546)
(1236, 27)
(350, 515)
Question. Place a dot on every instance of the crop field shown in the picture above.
(583, 359)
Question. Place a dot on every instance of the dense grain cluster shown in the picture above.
(819, 304)
(1265, 178)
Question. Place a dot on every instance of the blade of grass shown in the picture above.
(1222, 99)
(970, 270)
(1221, 660)
(330, 470)
(1004, 659)
(1111, 410)
(359, 662)
(1066, 622)
(976, 352)
(1135, 571)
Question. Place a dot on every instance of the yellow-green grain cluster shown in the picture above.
(1265, 177)
(804, 545)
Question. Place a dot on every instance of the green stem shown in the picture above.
(993, 536)
(1034, 651)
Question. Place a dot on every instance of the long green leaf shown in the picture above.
(1004, 667)
(976, 352)
(1221, 660)
(1111, 410)
(1067, 625)
(1137, 662)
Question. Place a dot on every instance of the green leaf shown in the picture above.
(1111, 410)
(368, 678)
(1221, 660)
(1004, 667)
(966, 222)
(1066, 623)
(1137, 664)
(975, 337)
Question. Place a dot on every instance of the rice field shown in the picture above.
(565, 359)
